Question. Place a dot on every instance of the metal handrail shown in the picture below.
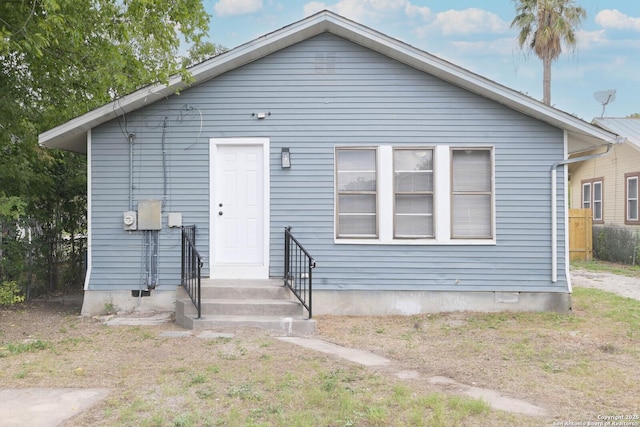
(191, 274)
(298, 274)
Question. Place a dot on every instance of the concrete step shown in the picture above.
(227, 304)
(241, 283)
(282, 326)
(249, 307)
(240, 289)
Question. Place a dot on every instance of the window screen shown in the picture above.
(413, 193)
(471, 183)
(356, 186)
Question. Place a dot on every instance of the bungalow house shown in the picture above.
(417, 185)
(608, 185)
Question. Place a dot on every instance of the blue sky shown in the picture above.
(476, 35)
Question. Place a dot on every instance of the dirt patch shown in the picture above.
(622, 285)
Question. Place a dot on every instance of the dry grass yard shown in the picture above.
(578, 367)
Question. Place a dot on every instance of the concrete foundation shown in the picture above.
(100, 302)
(380, 303)
(358, 303)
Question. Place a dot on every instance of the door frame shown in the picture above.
(239, 271)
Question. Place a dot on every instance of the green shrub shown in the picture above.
(10, 293)
(615, 244)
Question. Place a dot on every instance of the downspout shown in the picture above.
(131, 139)
(87, 274)
(554, 205)
(165, 195)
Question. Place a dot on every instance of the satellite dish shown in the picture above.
(605, 97)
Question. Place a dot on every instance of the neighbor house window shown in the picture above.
(471, 193)
(413, 193)
(356, 187)
(592, 197)
(586, 195)
(631, 195)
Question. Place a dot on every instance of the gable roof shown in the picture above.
(72, 135)
(628, 128)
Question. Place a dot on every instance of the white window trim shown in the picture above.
(584, 202)
(636, 199)
(441, 201)
(594, 200)
(591, 185)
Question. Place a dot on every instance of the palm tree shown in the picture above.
(544, 26)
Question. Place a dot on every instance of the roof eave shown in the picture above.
(475, 83)
(72, 134)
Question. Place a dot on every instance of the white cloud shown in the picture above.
(613, 18)
(502, 47)
(313, 7)
(619, 62)
(358, 10)
(422, 12)
(469, 21)
(462, 22)
(588, 40)
(237, 7)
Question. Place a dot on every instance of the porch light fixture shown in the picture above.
(285, 158)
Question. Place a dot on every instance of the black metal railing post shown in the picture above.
(199, 304)
(298, 270)
(287, 230)
(191, 269)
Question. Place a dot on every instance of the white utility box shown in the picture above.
(149, 215)
(174, 220)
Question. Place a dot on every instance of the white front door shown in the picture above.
(239, 208)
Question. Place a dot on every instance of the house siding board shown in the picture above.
(117, 254)
(315, 107)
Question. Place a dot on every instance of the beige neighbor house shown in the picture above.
(609, 185)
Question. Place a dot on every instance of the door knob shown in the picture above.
(220, 213)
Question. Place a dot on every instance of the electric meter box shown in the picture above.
(149, 215)
(130, 220)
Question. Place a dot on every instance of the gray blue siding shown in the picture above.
(322, 93)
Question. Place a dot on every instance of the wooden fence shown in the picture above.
(580, 234)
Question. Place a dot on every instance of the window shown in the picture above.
(471, 193)
(413, 193)
(597, 201)
(586, 195)
(356, 184)
(631, 196)
(592, 197)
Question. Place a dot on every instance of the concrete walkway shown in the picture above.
(44, 407)
(494, 398)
